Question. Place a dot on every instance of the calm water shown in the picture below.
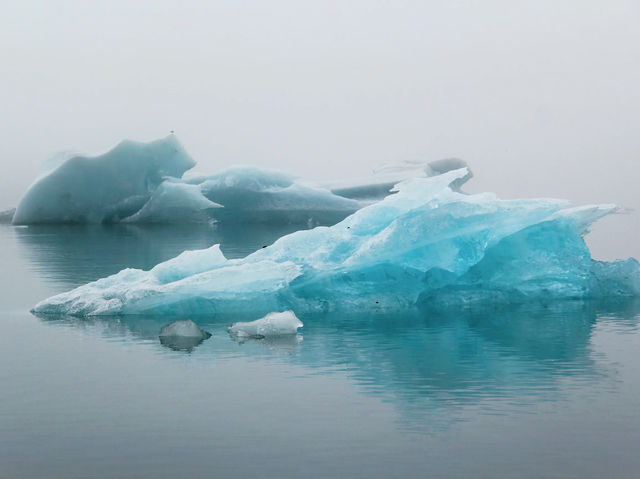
(486, 394)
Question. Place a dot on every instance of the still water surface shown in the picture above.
(521, 393)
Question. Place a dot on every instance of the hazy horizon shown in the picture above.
(541, 99)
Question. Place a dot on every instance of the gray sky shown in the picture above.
(541, 97)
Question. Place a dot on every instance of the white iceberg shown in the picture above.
(274, 324)
(426, 245)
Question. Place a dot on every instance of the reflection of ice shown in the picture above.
(426, 364)
(181, 343)
(278, 343)
(68, 254)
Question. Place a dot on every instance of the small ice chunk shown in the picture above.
(272, 325)
(182, 335)
(184, 329)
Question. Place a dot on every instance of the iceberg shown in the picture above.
(104, 188)
(145, 183)
(428, 246)
(378, 185)
(274, 324)
(172, 202)
(255, 195)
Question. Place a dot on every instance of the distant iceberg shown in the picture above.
(104, 188)
(143, 183)
(428, 245)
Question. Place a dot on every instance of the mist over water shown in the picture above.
(542, 99)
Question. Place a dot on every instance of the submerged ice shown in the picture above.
(426, 245)
(143, 183)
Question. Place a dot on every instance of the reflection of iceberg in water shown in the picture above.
(72, 255)
(427, 365)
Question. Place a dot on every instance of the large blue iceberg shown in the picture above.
(427, 245)
(144, 183)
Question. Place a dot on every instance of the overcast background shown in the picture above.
(542, 97)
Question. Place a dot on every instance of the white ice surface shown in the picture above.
(272, 325)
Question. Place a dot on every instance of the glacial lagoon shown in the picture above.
(530, 391)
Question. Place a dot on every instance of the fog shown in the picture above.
(541, 98)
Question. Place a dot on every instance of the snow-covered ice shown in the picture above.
(426, 245)
(272, 325)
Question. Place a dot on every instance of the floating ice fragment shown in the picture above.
(182, 335)
(183, 329)
(272, 325)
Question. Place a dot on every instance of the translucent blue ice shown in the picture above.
(426, 245)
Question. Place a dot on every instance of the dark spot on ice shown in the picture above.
(264, 245)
